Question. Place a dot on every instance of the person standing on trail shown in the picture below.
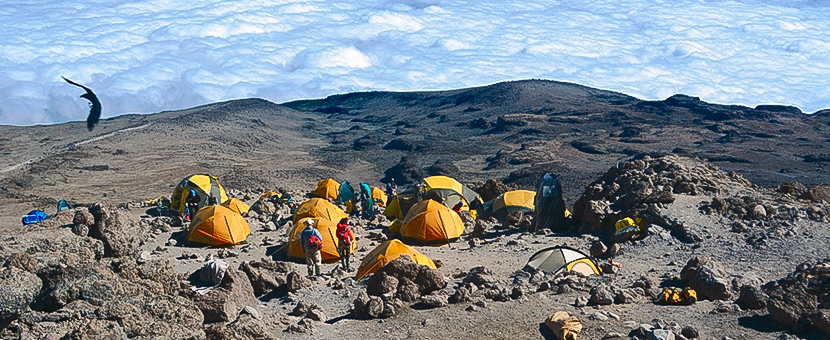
(345, 238)
(312, 242)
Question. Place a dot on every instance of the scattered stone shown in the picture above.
(581, 301)
(690, 332)
(295, 282)
(598, 249)
(597, 316)
(266, 276)
(434, 301)
(614, 336)
(661, 334)
(752, 298)
(143, 257)
(707, 278)
(601, 295)
(224, 302)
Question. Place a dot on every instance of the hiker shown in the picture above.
(345, 238)
(418, 197)
(391, 188)
(192, 204)
(457, 207)
(368, 205)
(312, 242)
(357, 207)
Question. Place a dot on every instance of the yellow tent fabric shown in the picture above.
(393, 209)
(318, 207)
(328, 230)
(430, 222)
(218, 226)
(443, 182)
(269, 194)
(379, 196)
(236, 205)
(385, 253)
(204, 185)
(395, 226)
(327, 188)
(515, 198)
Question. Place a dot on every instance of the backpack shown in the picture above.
(314, 243)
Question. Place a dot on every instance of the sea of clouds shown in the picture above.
(154, 55)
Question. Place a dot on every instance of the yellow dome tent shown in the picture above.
(449, 191)
(385, 253)
(218, 226)
(511, 201)
(318, 207)
(236, 205)
(327, 188)
(327, 229)
(430, 222)
(204, 185)
(379, 196)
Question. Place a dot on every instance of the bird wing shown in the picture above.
(95, 105)
(78, 85)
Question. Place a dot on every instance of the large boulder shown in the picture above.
(110, 299)
(19, 289)
(224, 302)
(404, 279)
(642, 187)
(266, 276)
(801, 298)
(752, 297)
(707, 278)
(119, 230)
(789, 304)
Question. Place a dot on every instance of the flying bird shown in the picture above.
(94, 105)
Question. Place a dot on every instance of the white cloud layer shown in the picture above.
(148, 56)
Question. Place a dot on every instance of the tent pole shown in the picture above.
(446, 234)
(230, 233)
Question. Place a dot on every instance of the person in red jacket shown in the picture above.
(345, 238)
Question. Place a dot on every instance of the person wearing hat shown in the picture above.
(312, 242)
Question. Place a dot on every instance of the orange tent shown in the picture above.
(430, 222)
(218, 226)
(236, 205)
(318, 207)
(385, 253)
(327, 229)
(327, 188)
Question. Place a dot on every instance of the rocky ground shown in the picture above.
(745, 226)
(117, 272)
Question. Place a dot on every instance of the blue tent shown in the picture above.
(34, 216)
(346, 193)
(63, 205)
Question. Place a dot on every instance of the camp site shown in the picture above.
(419, 216)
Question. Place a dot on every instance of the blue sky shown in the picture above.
(149, 56)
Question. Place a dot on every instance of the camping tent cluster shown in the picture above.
(219, 224)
